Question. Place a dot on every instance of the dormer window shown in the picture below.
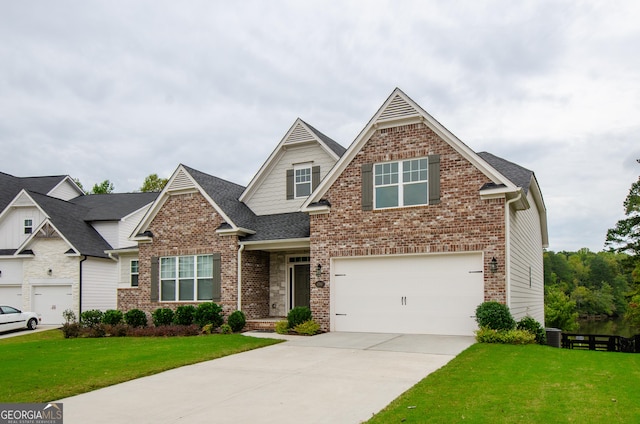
(302, 180)
(28, 226)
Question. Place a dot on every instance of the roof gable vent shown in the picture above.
(299, 135)
(396, 109)
(181, 181)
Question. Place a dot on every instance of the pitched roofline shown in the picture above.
(10, 204)
(166, 192)
(32, 236)
(420, 116)
(279, 151)
(73, 183)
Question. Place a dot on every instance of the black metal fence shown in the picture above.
(601, 342)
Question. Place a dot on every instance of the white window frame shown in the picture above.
(177, 279)
(400, 183)
(135, 273)
(28, 226)
(308, 167)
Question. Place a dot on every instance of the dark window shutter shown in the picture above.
(155, 277)
(367, 186)
(217, 277)
(315, 177)
(290, 188)
(434, 179)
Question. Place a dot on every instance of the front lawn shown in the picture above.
(44, 366)
(490, 383)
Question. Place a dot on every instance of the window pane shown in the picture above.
(186, 290)
(186, 266)
(415, 194)
(303, 189)
(386, 173)
(168, 290)
(134, 267)
(386, 197)
(205, 289)
(134, 280)
(205, 266)
(167, 267)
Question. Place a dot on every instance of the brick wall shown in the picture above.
(461, 222)
(185, 225)
(255, 284)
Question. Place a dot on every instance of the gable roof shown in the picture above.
(300, 133)
(113, 206)
(400, 109)
(68, 219)
(10, 186)
(517, 174)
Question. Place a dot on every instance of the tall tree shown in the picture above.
(153, 183)
(104, 187)
(625, 236)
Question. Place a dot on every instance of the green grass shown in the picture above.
(490, 383)
(44, 366)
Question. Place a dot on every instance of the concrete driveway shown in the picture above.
(329, 378)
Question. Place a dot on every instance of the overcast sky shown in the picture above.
(119, 90)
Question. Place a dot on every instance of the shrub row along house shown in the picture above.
(408, 230)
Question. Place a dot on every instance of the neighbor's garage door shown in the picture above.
(11, 296)
(425, 294)
(51, 301)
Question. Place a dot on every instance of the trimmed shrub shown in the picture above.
(208, 313)
(71, 330)
(495, 316)
(207, 329)
(184, 315)
(282, 327)
(162, 316)
(165, 331)
(226, 329)
(135, 318)
(307, 328)
(534, 327)
(298, 315)
(91, 318)
(112, 317)
(236, 321)
(515, 337)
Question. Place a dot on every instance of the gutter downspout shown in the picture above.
(240, 250)
(507, 249)
(80, 287)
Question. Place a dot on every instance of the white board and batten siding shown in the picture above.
(526, 289)
(99, 284)
(12, 226)
(271, 196)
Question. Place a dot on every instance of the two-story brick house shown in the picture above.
(407, 230)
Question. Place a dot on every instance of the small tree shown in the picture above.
(153, 183)
(560, 311)
(104, 187)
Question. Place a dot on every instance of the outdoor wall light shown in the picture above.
(319, 284)
(319, 271)
(49, 271)
(493, 266)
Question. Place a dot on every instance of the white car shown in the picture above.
(14, 319)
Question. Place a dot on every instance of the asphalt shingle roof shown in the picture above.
(280, 226)
(114, 206)
(333, 145)
(10, 186)
(518, 175)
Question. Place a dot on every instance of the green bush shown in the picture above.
(226, 329)
(307, 328)
(282, 327)
(135, 318)
(515, 337)
(298, 315)
(236, 321)
(207, 329)
(184, 315)
(495, 316)
(208, 313)
(91, 318)
(534, 327)
(162, 316)
(112, 317)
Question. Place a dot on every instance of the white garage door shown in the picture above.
(11, 296)
(51, 301)
(425, 294)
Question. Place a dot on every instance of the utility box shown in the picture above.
(554, 337)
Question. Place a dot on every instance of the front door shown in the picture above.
(300, 285)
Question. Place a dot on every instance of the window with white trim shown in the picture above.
(133, 272)
(302, 180)
(402, 183)
(186, 278)
(28, 226)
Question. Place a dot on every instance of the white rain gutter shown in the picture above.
(240, 250)
(507, 249)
